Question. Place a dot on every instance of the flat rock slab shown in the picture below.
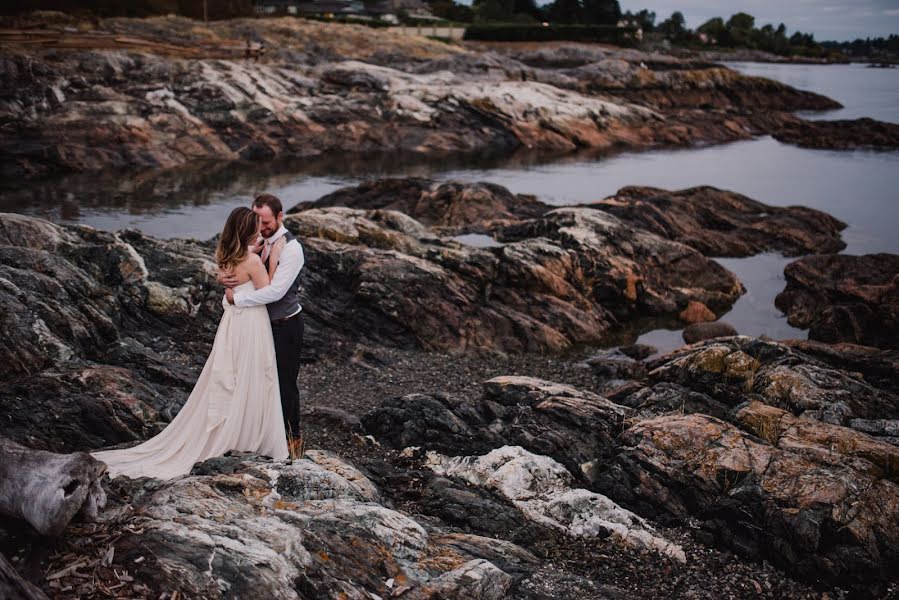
(721, 223)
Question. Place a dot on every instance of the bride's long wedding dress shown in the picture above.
(235, 405)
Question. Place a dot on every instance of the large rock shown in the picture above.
(722, 223)
(863, 133)
(761, 448)
(842, 298)
(461, 206)
(772, 450)
(572, 426)
(559, 280)
(817, 499)
(169, 111)
(541, 488)
(313, 527)
(169, 91)
(879, 367)
(728, 371)
(100, 350)
(665, 81)
(697, 332)
(107, 332)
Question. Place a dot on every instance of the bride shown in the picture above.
(236, 403)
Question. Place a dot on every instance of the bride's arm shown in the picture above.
(257, 271)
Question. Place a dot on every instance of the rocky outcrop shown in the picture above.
(100, 349)
(862, 133)
(170, 91)
(812, 497)
(569, 425)
(722, 223)
(107, 332)
(559, 280)
(879, 367)
(843, 298)
(715, 222)
(232, 109)
(767, 451)
(450, 206)
(728, 371)
(697, 332)
(313, 527)
(665, 81)
(541, 488)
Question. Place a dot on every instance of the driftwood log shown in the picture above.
(47, 489)
(13, 587)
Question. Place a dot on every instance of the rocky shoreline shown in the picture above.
(468, 440)
(469, 432)
(163, 92)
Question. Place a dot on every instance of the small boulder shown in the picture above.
(706, 331)
(697, 312)
(638, 351)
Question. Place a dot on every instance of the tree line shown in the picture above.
(584, 12)
(215, 9)
(873, 48)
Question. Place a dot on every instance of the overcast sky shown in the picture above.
(827, 19)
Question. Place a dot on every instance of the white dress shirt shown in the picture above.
(289, 265)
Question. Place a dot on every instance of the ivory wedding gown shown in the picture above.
(235, 405)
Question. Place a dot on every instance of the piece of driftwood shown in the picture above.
(13, 587)
(47, 489)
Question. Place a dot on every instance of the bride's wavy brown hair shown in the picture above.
(240, 231)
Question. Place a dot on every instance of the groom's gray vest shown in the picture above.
(290, 303)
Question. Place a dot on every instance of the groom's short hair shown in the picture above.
(272, 202)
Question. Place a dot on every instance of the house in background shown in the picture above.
(300, 8)
(392, 10)
(386, 10)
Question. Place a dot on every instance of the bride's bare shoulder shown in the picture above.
(250, 262)
(252, 259)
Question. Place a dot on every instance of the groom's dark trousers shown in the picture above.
(288, 334)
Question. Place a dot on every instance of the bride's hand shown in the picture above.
(276, 251)
(227, 278)
(256, 248)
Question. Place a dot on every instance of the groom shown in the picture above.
(282, 299)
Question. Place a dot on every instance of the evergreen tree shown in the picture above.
(601, 12)
(527, 9)
(564, 11)
(674, 26)
(493, 10)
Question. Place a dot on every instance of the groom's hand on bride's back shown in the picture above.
(227, 279)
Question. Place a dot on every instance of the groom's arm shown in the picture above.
(289, 266)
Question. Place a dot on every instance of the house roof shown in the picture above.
(316, 6)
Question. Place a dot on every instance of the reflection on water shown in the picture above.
(193, 201)
(859, 188)
(477, 240)
(754, 313)
(863, 92)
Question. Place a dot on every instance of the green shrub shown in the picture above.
(518, 32)
(374, 23)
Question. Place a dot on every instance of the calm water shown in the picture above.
(858, 187)
(863, 91)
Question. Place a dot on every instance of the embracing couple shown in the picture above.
(246, 398)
